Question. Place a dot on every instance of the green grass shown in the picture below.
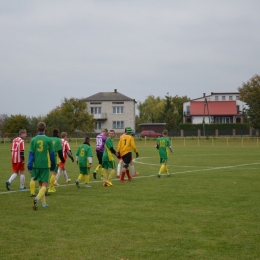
(208, 209)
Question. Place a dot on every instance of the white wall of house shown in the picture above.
(213, 97)
(114, 116)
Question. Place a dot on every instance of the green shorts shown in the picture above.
(84, 170)
(108, 165)
(41, 175)
(163, 160)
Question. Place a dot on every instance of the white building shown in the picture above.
(215, 108)
(111, 110)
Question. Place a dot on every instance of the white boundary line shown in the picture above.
(153, 175)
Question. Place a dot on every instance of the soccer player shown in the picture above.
(57, 144)
(40, 153)
(100, 146)
(125, 145)
(163, 144)
(108, 161)
(84, 160)
(66, 152)
(134, 173)
(17, 151)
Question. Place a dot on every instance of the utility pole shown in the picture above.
(205, 105)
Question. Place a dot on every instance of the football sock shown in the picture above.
(102, 172)
(98, 168)
(53, 177)
(32, 187)
(118, 168)
(43, 199)
(111, 174)
(161, 169)
(123, 174)
(166, 170)
(86, 179)
(80, 177)
(22, 181)
(13, 176)
(41, 192)
(132, 169)
(105, 175)
(128, 174)
(57, 176)
(65, 175)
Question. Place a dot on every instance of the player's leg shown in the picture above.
(13, 176)
(119, 167)
(87, 178)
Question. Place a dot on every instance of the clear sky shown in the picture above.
(54, 49)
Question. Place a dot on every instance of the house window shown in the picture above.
(95, 110)
(223, 97)
(118, 124)
(216, 97)
(238, 111)
(118, 110)
(222, 120)
(187, 110)
(97, 125)
(237, 97)
(230, 98)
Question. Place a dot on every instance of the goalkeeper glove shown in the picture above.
(137, 155)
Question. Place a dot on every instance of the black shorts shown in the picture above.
(127, 158)
(99, 156)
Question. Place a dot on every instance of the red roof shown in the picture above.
(214, 108)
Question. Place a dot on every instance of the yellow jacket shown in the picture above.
(126, 144)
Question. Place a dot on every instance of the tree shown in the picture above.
(55, 119)
(150, 110)
(3, 118)
(75, 110)
(14, 123)
(250, 94)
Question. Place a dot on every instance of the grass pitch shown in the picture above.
(208, 209)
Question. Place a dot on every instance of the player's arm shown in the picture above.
(89, 161)
(69, 153)
(30, 161)
(113, 150)
(22, 155)
(60, 153)
(171, 149)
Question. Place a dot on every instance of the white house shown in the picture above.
(111, 110)
(215, 108)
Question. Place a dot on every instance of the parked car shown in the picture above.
(150, 133)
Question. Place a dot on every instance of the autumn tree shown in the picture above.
(14, 123)
(250, 95)
(150, 110)
(78, 118)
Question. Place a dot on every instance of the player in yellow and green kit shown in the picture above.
(163, 144)
(41, 160)
(124, 149)
(84, 160)
(108, 161)
(56, 141)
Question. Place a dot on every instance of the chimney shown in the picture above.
(115, 90)
(204, 94)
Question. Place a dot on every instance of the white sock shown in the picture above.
(13, 176)
(65, 175)
(132, 168)
(118, 169)
(57, 176)
(22, 180)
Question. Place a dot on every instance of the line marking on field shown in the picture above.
(148, 176)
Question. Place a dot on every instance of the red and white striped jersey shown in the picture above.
(65, 148)
(16, 149)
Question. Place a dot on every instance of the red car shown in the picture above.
(150, 133)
